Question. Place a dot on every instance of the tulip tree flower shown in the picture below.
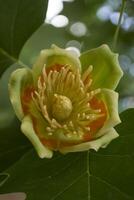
(67, 103)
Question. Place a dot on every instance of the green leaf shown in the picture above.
(18, 20)
(105, 175)
(13, 143)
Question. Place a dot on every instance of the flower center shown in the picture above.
(61, 108)
(72, 110)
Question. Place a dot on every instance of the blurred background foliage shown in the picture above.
(82, 25)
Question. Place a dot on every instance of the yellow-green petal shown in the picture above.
(110, 98)
(28, 130)
(96, 144)
(55, 55)
(106, 69)
(19, 80)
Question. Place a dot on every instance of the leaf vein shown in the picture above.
(113, 155)
(67, 188)
(113, 187)
(12, 150)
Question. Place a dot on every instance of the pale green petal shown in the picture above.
(103, 141)
(28, 130)
(110, 98)
(19, 79)
(55, 55)
(106, 69)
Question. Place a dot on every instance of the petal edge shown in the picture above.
(28, 130)
(18, 80)
(106, 69)
(55, 55)
(111, 99)
(96, 144)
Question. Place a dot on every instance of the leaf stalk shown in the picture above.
(119, 24)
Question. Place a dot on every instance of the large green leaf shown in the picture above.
(106, 175)
(5, 101)
(13, 144)
(18, 20)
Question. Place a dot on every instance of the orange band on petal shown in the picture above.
(53, 144)
(26, 98)
(97, 124)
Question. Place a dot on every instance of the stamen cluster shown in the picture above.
(63, 98)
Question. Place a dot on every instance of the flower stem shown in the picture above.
(119, 24)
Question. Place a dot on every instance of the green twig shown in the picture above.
(13, 59)
(119, 24)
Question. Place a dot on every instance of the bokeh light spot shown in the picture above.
(104, 12)
(60, 21)
(78, 29)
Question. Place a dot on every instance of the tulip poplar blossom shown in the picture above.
(67, 103)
